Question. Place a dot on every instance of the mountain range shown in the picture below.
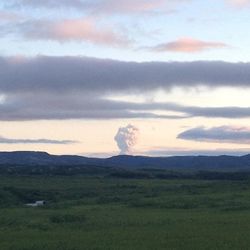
(33, 158)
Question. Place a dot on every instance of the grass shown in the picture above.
(117, 214)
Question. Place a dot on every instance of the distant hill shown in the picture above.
(224, 162)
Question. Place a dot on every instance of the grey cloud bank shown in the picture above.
(89, 74)
(75, 87)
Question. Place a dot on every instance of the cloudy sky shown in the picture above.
(167, 77)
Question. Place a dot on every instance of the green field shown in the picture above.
(97, 212)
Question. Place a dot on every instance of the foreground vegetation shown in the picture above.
(109, 211)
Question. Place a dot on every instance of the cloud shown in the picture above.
(102, 6)
(80, 106)
(76, 88)
(188, 45)
(238, 3)
(211, 112)
(4, 140)
(126, 6)
(126, 138)
(74, 74)
(47, 3)
(81, 30)
(7, 16)
(223, 134)
(76, 106)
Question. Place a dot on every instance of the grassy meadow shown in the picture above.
(99, 212)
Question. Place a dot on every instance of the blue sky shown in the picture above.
(56, 74)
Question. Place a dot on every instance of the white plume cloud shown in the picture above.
(126, 138)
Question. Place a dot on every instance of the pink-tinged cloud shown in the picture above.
(188, 45)
(83, 30)
(239, 3)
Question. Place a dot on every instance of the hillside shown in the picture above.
(31, 158)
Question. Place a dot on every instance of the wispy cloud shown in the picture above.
(222, 134)
(47, 3)
(238, 3)
(4, 140)
(83, 30)
(127, 6)
(102, 6)
(86, 106)
(7, 16)
(187, 45)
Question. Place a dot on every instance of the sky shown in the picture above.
(106, 77)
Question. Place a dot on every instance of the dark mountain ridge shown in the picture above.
(32, 158)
